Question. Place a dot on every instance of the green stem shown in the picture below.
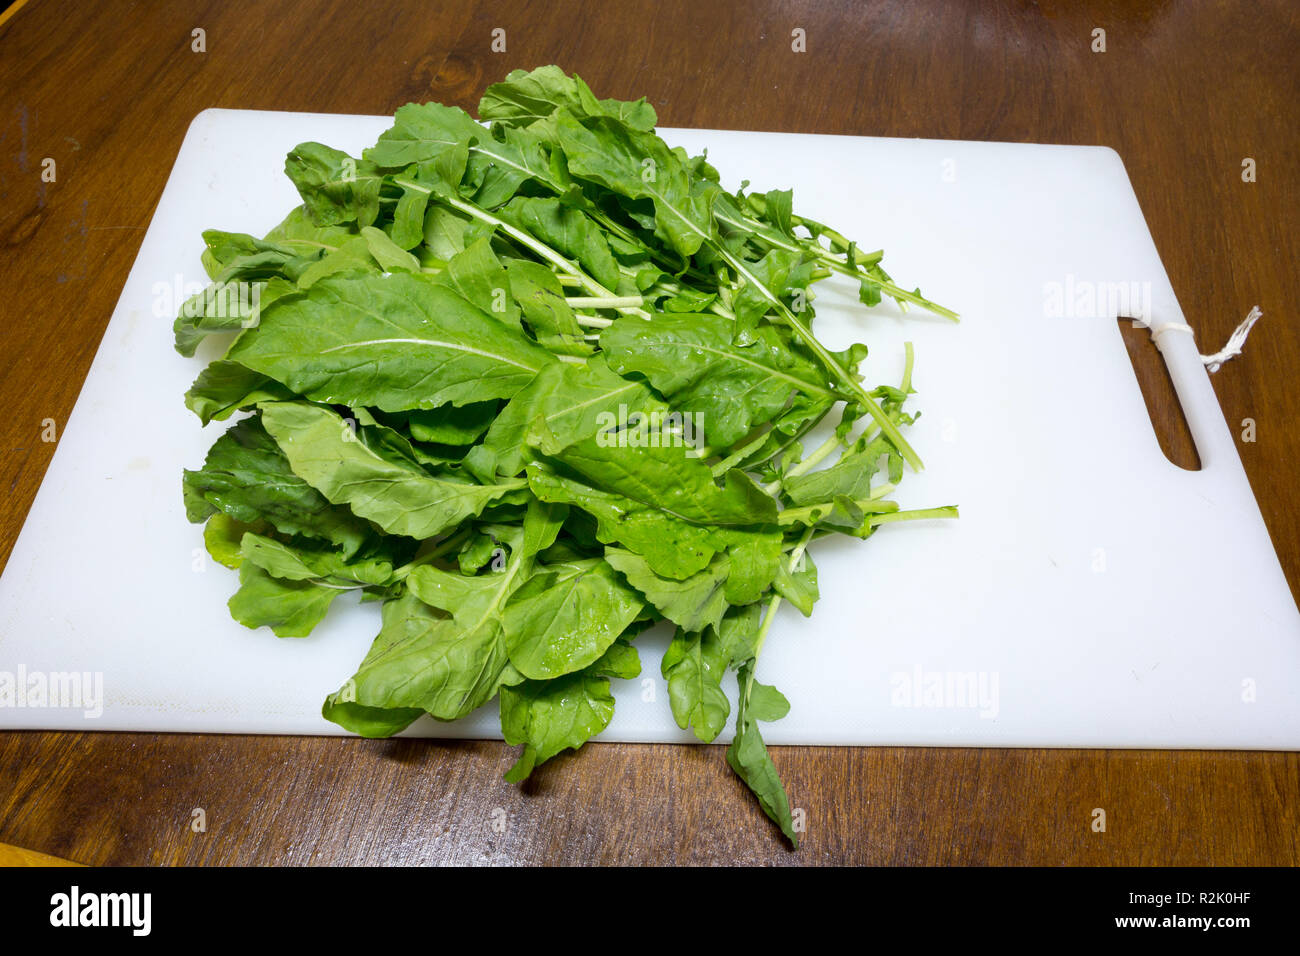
(524, 239)
(438, 551)
(597, 214)
(889, 288)
(605, 302)
(836, 238)
(828, 361)
(819, 453)
(829, 445)
(795, 554)
(758, 203)
(918, 514)
(768, 618)
(774, 238)
(672, 288)
(722, 467)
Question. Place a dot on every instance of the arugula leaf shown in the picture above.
(693, 665)
(748, 755)
(668, 478)
(222, 536)
(229, 305)
(340, 708)
(568, 231)
(550, 317)
(370, 252)
(225, 387)
(755, 561)
(451, 424)
(621, 659)
(247, 477)
(397, 494)
(500, 164)
(475, 554)
(564, 404)
(478, 277)
(445, 232)
(779, 208)
(849, 477)
(638, 165)
(671, 546)
(692, 604)
(799, 586)
(299, 232)
(554, 715)
(237, 255)
(334, 187)
(525, 97)
(566, 616)
(423, 660)
(394, 342)
(291, 608)
(327, 566)
(775, 271)
(430, 135)
(449, 666)
(690, 359)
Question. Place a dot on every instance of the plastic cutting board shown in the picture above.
(1091, 594)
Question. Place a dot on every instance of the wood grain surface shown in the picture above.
(1185, 92)
(16, 856)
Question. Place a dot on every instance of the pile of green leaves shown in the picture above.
(465, 382)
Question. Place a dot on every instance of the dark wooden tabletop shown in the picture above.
(1184, 91)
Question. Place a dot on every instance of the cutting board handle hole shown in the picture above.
(1163, 408)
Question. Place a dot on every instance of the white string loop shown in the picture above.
(1231, 349)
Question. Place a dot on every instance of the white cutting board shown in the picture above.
(1097, 594)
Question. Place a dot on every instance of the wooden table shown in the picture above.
(1185, 92)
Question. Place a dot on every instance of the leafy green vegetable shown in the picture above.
(224, 388)
(694, 665)
(349, 469)
(222, 536)
(563, 403)
(535, 386)
(451, 424)
(690, 360)
(393, 342)
(427, 661)
(566, 616)
(748, 755)
(693, 604)
(296, 562)
(291, 608)
(554, 715)
(671, 546)
(247, 477)
(335, 187)
(524, 97)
